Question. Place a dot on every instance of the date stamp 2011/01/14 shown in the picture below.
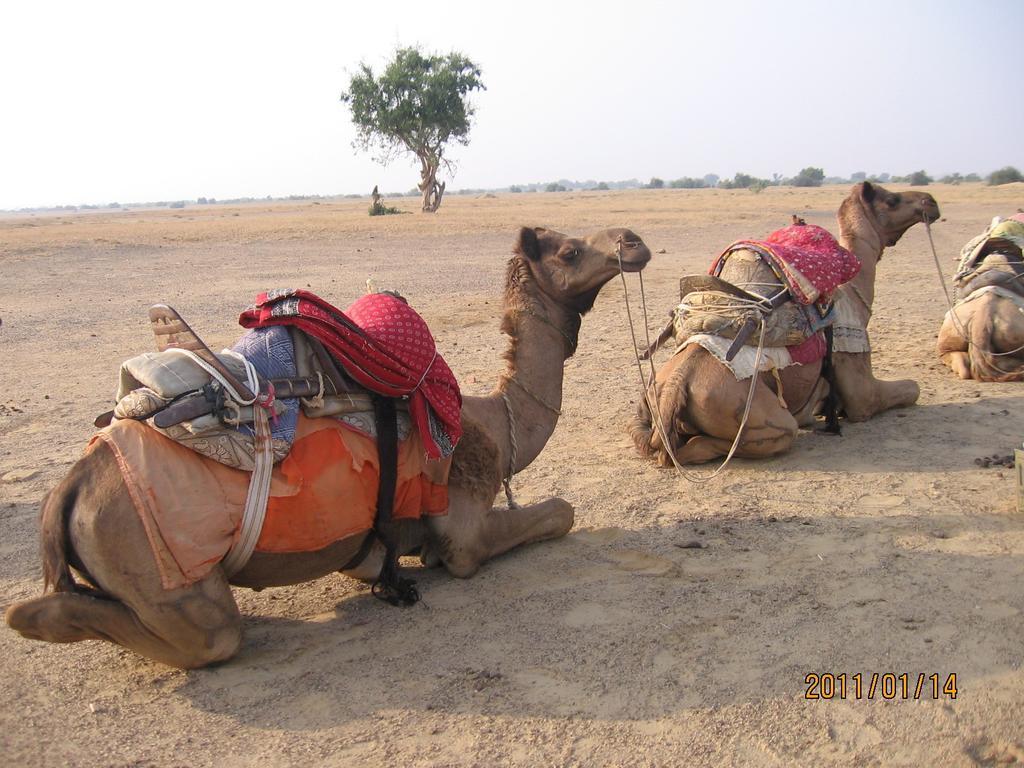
(888, 685)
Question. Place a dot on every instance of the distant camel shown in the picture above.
(982, 337)
(700, 401)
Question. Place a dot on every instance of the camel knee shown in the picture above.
(462, 565)
(217, 645)
(563, 516)
(204, 631)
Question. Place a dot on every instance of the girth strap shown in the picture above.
(389, 586)
(828, 372)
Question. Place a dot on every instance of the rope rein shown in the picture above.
(647, 388)
(513, 450)
(506, 481)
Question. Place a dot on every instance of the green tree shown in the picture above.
(419, 104)
(656, 183)
(1006, 175)
(919, 179)
(809, 177)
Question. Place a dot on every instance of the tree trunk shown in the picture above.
(432, 191)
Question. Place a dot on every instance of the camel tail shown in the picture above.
(54, 516)
(984, 366)
(670, 401)
(641, 429)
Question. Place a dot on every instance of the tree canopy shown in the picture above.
(419, 104)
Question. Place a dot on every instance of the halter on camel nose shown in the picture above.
(631, 253)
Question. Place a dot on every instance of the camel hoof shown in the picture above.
(42, 618)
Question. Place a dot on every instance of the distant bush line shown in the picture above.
(808, 177)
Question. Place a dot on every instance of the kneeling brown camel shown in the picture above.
(700, 402)
(982, 336)
(89, 522)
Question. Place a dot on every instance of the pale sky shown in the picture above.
(144, 101)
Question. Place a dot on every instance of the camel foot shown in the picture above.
(192, 633)
(47, 619)
(466, 541)
(959, 362)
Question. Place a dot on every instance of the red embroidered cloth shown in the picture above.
(385, 346)
(805, 256)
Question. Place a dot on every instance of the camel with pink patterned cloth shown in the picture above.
(699, 397)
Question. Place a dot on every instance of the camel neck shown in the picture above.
(858, 234)
(542, 335)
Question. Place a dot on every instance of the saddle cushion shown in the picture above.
(325, 490)
(384, 345)
(742, 365)
(806, 257)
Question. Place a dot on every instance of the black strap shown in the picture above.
(389, 586)
(361, 554)
(828, 372)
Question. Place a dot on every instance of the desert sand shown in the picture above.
(678, 621)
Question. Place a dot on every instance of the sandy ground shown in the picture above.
(885, 550)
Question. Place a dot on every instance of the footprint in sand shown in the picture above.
(598, 536)
(880, 501)
(642, 563)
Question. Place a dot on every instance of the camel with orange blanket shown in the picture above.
(91, 524)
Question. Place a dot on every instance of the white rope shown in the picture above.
(252, 378)
(256, 500)
(652, 406)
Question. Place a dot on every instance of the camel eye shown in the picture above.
(571, 255)
(893, 201)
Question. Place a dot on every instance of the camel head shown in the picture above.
(892, 213)
(572, 270)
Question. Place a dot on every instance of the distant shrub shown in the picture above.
(951, 178)
(655, 183)
(919, 179)
(1007, 175)
(602, 185)
(687, 182)
(379, 209)
(759, 185)
(516, 189)
(972, 177)
(859, 176)
(554, 186)
(743, 181)
(809, 177)
(177, 204)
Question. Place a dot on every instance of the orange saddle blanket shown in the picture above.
(324, 490)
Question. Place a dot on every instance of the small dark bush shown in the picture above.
(1007, 175)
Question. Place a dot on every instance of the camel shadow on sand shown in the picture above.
(891, 442)
(609, 624)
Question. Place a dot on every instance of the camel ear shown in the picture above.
(527, 244)
(867, 191)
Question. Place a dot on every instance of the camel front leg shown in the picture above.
(959, 363)
(473, 532)
(864, 396)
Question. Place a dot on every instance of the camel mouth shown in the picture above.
(635, 265)
(633, 256)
